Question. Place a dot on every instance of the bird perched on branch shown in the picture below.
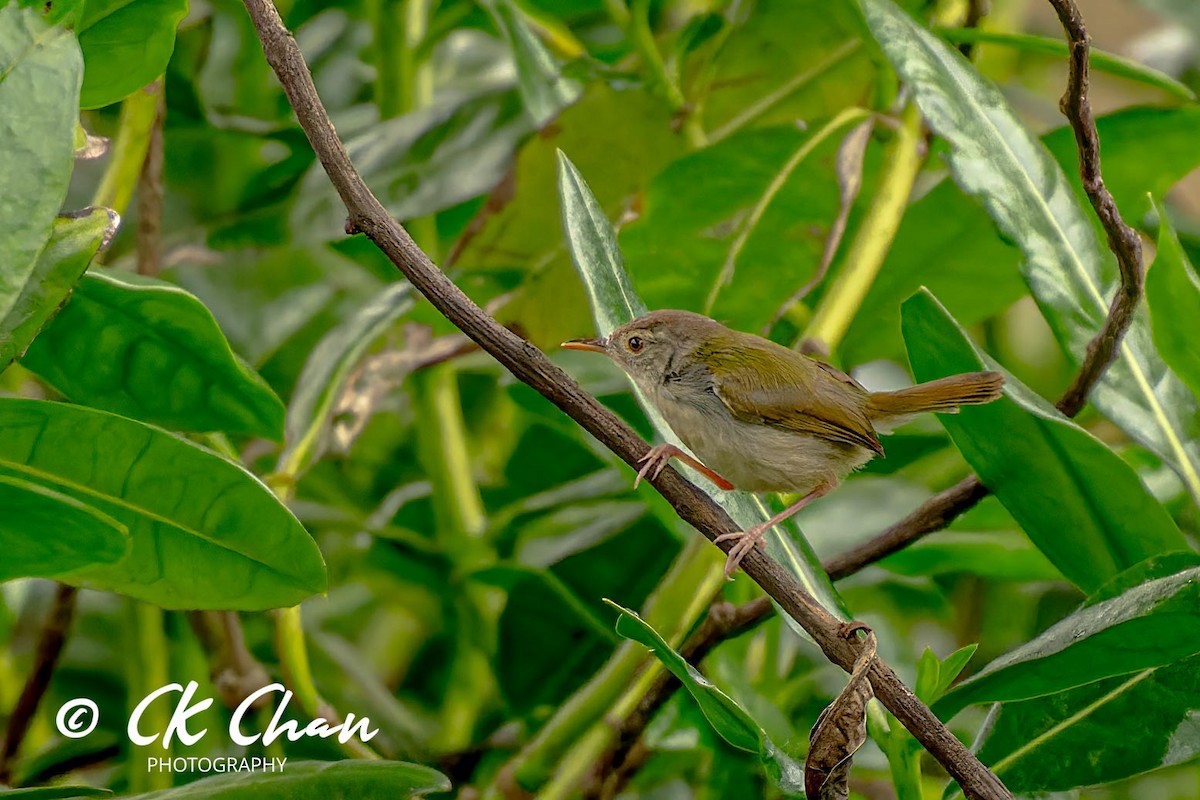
(762, 417)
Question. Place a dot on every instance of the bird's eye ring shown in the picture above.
(635, 344)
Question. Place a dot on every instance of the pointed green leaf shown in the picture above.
(594, 250)
(56, 793)
(40, 72)
(1083, 507)
(995, 159)
(325, 373)
(1149, 625)
(150, 350)
(315, 780)
(544, 89)
(728, 718)
(1173, 295)
(47, 534)
(73, 243)
(204, 533)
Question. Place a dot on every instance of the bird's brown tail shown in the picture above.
(944, 395)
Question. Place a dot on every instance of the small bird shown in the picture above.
(762, 417)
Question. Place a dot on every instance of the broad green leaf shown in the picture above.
(1099, 60)
(1150, 625)
(995, 159)
(56, 793)
(73, 243)
(149, 350)
(784, 60)
(1114, 727)
(1099, 733)
(204, 533)
(948, 244)
(593, 247)
(47, 534)
(126, 45)
(1173, 295)
(315, 780)
(1083, 507)
(728, 718)
(544, 90)
(325, 373)
(742, 224)
(40, 72)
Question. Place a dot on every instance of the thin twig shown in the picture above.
(49, 647)
(531, 366)
(235, 672)
(1122, 239)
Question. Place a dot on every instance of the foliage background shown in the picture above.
(471, 533)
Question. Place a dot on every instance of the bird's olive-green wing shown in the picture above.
(761, 382)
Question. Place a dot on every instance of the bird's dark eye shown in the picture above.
(636, 344)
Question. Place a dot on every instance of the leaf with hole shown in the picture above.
(203, 532)
(1083, 507)
(995, 159)
(149, 350)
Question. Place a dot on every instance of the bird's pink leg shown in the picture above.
(747, 539)
(656, 460)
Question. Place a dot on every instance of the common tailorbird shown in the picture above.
(761, 417)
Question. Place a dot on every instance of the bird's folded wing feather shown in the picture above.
(789, 391)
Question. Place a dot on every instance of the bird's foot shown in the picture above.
(656, 459)
(745, 541)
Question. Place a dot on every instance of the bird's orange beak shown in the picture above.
(591, 345)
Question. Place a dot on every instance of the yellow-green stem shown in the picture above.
(147, 670)
(674, 607)
(874, 236)
(128, 153)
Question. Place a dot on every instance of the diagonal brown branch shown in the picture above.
(530, 365)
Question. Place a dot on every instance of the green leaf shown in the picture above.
(73, 243)
(544, 90)
(325, 373)
(1149, 625)
(1173, 295)
(761, 188)
(55, 793)
(204, 532)
(47, 534)
(996, 160)
(1083, 507)
(934, 675)
(1084, 735)
(126, 45)
(1099, 60)
(593, 247)
(728, 718)
(147, 349)
(315, 780)
(40, 72)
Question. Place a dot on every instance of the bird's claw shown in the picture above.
(653, 463)
(746, 541)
